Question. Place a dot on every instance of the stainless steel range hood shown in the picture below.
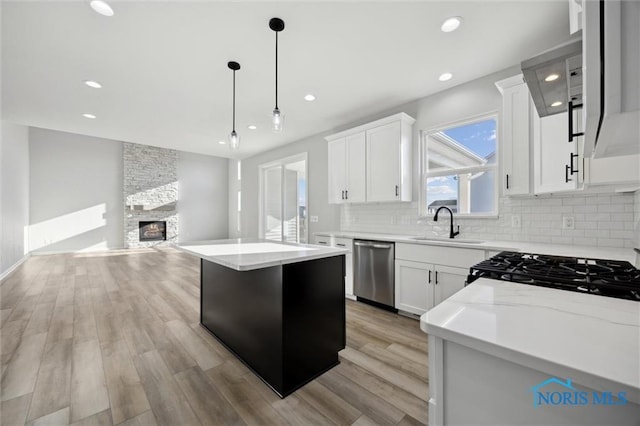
(565, 61)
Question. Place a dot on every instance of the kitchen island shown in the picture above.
(279, 307)
(507, 353)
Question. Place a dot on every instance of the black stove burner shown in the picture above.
(595, 276)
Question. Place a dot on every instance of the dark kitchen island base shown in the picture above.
(285, 322)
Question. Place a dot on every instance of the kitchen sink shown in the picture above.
(447, 240)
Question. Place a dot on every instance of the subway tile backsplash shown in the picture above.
(601, 217)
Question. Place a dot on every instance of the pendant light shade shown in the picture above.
(234, 138)
(277, 120)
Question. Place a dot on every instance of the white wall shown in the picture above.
(14, 194)
(203, 197)
(76, 192)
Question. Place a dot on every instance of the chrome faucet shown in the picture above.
(435, 219)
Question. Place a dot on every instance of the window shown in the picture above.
(459, 168)
(283, 200)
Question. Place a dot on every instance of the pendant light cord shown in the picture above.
(234, 100)
(276, 70)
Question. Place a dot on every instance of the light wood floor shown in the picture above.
(113, 338)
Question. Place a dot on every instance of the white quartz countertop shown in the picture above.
(626, 254)
(594, 340)
(246, 254)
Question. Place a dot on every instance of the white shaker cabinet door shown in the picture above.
(337, 171)
(383, 163)
(356, 168)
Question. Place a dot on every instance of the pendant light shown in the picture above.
(234, 138)
(277, 120)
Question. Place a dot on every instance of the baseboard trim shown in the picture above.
(48, 252)
(13, 267)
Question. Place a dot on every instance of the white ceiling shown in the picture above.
(163, 64)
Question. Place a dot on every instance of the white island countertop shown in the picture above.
(595, 340)
(245, 254)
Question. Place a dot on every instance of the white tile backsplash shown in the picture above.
(602, 218)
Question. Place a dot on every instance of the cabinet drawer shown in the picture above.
(450, 256)
(322, 240)
(345, 243)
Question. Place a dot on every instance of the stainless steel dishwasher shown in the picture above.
(374, 275)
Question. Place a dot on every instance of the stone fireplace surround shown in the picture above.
(150, 192)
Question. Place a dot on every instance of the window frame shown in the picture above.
(423, 211)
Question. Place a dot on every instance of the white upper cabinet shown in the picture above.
(372, 162)
(557, 164)
(515, 135)
(347, 169)
(356, 168)
(337, 170)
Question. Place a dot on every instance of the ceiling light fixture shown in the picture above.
(556, 104)
(101, 7)
(277, 120)
(552, 77)
(93, 84)
(234, 138)
(91, 116)
(445, 77)
(451, 24)
(251, 127)
(309, 98)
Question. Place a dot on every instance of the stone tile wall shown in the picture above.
(150, 182)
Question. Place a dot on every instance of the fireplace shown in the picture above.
(153, 230)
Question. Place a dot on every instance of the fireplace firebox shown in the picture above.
(153, 230)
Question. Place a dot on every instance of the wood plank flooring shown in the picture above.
(114, 339)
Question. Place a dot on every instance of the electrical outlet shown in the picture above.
(516, 221)
(568, 222)
(314, 219)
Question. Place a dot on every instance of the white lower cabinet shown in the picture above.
(427, 275)
(345, 243)
(421, 286)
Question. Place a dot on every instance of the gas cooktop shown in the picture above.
(611, 278)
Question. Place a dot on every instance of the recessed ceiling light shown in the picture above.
(222, 142)
(556, 103)
(89, 116)
(552, 77)
(93, 84)
(251, 127)
(101, 7)
(451, 24)
(445, 77)
(309, 97)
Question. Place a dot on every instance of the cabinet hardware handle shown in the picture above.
(507, 180)
(574, 171)
(322, 242)
(341, 245)
(570, 108)
(566, 173)
(396, 190)
(436, 277)
(343, 195)
(346, 194)
(429, 276)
